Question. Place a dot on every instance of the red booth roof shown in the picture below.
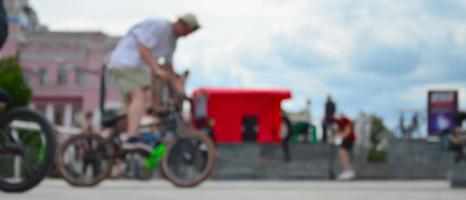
(279, 93)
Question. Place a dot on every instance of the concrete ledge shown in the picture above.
(458, 177)
(414, 160)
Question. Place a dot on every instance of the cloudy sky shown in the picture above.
(376, 56)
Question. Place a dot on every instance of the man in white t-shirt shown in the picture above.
(137, 56)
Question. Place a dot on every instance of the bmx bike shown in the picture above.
(27, 147)
(186, 156)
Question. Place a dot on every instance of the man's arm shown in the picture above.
(454, 139)
(147, 56)
(169, 68)
(346, 131)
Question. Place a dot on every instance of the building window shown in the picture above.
(61, 76)
(43, 76)
(80, 77)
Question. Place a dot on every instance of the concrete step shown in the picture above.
(395, 171)
(425, 159)
(312, 161)
(413, 145)
(264, 168)
(274, 151)
(457, 177)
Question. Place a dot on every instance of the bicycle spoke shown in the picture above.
(29, 172)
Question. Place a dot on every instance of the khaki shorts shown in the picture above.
(128, 80)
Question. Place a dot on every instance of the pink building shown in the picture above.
(62, 69)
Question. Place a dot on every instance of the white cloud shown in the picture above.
(306, 46)
(459, 34)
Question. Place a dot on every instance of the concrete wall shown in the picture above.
(415, 159)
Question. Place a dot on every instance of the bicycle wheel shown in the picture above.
(189, 159)
(85, 160)
(27, 147)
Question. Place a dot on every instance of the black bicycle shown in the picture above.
(27, 147)
(185, 155)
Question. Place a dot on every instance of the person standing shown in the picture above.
(86, 126)
(330, 109)
(345, 138)
(457, 145)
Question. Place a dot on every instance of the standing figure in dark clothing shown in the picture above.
(457, 142)
(3, 25)
(457, 145)
(330, 109)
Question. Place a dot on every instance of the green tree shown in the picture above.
(11, 80)
(378, 137)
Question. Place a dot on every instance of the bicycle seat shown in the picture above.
(158, 112)
(111, 121)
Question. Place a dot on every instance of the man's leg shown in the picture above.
(344, 159)
(136, 110)
(458, 149)
(348, 173)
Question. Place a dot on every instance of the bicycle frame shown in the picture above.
(4, 99)
(164, 96)
(15, 146)
(171, 124)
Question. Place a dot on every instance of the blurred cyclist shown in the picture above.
(137, 56)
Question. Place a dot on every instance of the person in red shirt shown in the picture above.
(346, 138)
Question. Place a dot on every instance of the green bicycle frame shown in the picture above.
(157, 154)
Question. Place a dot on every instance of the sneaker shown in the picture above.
(346, 176)
(136, 144)
(148, 138)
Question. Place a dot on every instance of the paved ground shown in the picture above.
(246, 190)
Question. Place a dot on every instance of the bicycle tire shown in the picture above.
(68, 177)
(190, 133)
(46, 164)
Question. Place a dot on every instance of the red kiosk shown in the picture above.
(237, 115)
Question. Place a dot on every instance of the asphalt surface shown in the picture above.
(247, 190)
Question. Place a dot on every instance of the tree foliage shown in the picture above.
(378, 137)
(11, 80)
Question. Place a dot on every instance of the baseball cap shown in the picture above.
(190, 20)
